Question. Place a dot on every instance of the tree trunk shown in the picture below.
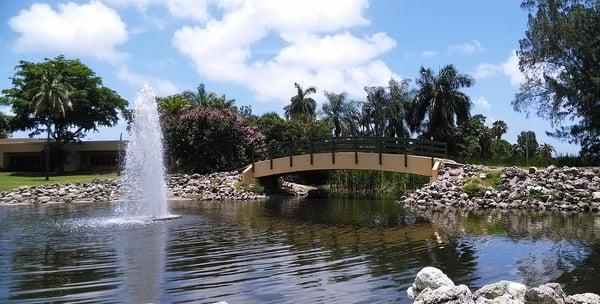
(48, 155)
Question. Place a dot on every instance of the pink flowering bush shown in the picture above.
(204, 140)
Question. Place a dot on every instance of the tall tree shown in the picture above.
(376, 107)
(440, 102)
(4, 125)
(527, 144)
(341, 113)
(559, 57)
(93, 104)
(398, 108)
(499, 128)
(546, 150)
(50, 101)
(301, 107)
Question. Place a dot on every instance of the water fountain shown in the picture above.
(144, 189)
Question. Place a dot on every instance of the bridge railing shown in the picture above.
(381, 145)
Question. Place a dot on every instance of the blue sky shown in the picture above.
(253, 50)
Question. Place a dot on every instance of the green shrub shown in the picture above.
(254, 188)
(474, 188)
(494, 180)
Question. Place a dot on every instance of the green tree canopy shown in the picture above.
(499, 128)
(559, 56)
(302, 107)
(4, 125)
(341, 113)
(92, 104)
(178, 103)
(527, 143)
(440, 101)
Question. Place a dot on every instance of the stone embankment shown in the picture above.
(216, 186)
(432, 286)
(480, 187)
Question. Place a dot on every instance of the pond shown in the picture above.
(294, 251)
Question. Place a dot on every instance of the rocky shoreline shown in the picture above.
(432, 286)
(481, 187)
(216, 186)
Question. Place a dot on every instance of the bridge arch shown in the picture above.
(422, 157)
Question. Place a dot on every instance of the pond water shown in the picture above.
(283, 251)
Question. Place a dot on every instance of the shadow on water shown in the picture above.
(284, 251)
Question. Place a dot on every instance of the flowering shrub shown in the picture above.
(204, 140)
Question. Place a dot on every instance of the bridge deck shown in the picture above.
(404, 155)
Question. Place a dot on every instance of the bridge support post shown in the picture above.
(379, 150)
(355, 146)
(431, 151)
(312, 151)
(333, 150)
(270, 156)
(291, 154)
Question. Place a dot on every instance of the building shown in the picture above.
(26, 154)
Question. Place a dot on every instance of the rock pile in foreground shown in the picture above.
(552, 188)
(216, 186)
(432, 286)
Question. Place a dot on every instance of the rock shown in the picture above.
(532, 170)
(44, 199)
(596, 196)
(431, 277)
(514, 291)
(446, 294)
(551, 168)
(505, 299)
(550, 293)
(584, 298)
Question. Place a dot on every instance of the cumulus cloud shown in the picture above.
(482, 103)
(88, 30)
(91, 29)
(509, 68)
(467, 48)
(318, 48)
(192, 9)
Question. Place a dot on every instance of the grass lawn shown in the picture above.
(10, 180)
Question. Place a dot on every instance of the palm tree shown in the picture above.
(341, 113)
(499, 128)
(398, 108)
(546, 150)
(301, 106)
(50, 100)
(376, 107)
(440, 101)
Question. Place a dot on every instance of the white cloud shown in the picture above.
(482, 103)
(429, 54)
(91, 29)
(509, 68)
(318, 51)
(194, 9)
(162, 87)
(467, 48)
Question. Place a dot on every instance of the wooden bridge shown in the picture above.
(416, 156)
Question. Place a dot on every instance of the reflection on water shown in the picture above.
(283, 251)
